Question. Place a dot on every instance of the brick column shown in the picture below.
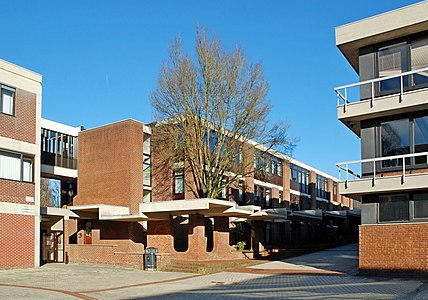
(197, 243)
(286, 175)
(313, 188)
(221, 237)
(257, 237)
(160, 235)
(330, 193)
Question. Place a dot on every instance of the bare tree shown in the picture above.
(214, 107)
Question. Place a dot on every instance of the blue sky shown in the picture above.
(100, 59)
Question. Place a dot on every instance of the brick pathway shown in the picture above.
(325, 275)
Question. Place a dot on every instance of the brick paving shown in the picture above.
(273, 280)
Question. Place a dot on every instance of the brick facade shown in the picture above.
(394, 248)
(22, 126)
(15, 191)
(111, 165)
(16, 241)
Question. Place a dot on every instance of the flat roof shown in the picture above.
(383, 27)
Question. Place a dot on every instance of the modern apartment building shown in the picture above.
(388, 110)
(103, 195)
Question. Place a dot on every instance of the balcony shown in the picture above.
(383, 174)
(399, 93)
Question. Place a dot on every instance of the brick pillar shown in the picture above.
(313, 188)
(286, 175)
(197, 243)
(160, 235)
(221, 237)
(330, 193)
(257, 235)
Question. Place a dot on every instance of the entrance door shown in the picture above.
(53, 247)
(88, 233)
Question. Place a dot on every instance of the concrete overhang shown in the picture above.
(206, 206)
(269, 214)
(356, 112)
(57, 172)
(313, 214)
(384, 27)
(54, 211)
(386, 184)
(103, 212)
(339, 214)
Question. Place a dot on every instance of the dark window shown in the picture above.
(395, 141)
(321, 187)
(268, 232)
(420, 126)
(394, 207)
(420, 205)
(256, 194)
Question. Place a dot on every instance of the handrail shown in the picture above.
(372, 81)
(345, 165)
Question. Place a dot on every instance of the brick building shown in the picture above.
(128, 200)
(388, 110)
(103, 195)
(20, 117)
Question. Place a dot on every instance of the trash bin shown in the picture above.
(150, 258)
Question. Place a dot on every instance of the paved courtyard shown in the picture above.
(329, 274)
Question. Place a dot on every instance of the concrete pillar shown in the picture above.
(313, 189)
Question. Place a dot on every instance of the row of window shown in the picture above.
(322, 187)
(267, 163)
(301, 176)
(262, 196)
(16, 166)
(7, 100)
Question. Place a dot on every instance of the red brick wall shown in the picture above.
(15, 191)
(22, 126)
(395, 247)
(111, 165)
(16, 241)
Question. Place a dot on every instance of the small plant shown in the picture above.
(241, 245)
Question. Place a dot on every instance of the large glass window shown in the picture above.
(420, 205)
(419, 58)
(393, 207)
(420, 126)
(392, 60)
(15, 166)
(395, 140)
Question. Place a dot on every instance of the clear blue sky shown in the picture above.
(101, 59)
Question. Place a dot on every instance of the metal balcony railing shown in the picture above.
(376, 163)
(343, 91)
